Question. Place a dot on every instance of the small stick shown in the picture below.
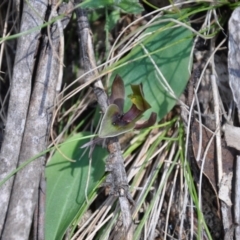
(116, 182)
(237, 199)
(218, 127)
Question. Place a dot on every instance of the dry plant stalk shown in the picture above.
(117, 179)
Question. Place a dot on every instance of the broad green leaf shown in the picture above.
(113, 17)
(170, 48)
(67, 182)
(130, 6)
(96, 4)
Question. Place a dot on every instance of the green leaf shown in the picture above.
(170, 48)
(114, 16)
(96, 4)
(67, 182)
(130, 6)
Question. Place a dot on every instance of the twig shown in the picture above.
(116, 182)
(55, 5)
(237, 199)
(218, 125)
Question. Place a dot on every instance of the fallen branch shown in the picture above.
(19, 100)
(32, 99)
(116, 182)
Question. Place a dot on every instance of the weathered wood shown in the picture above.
(19, 98)
(237, 198)
(45, 80)
(234, 56)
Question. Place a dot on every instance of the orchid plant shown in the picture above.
(115, 122)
